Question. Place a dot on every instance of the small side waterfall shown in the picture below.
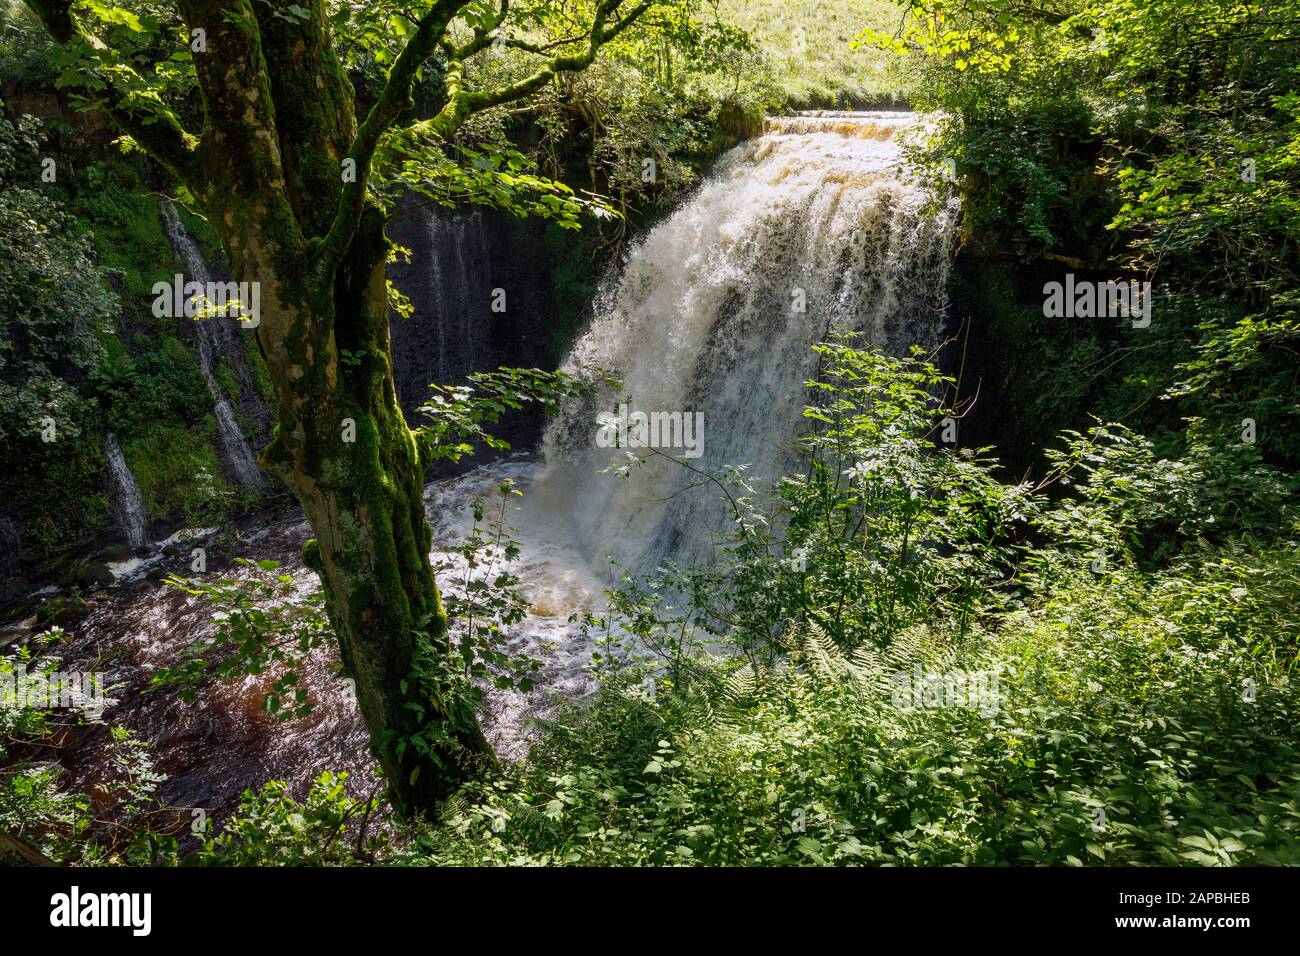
(812, 228)
(216, 337)
(127, 504)
(446, 281)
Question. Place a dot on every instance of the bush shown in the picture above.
(984, 705)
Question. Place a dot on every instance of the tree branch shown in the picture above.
(397, 90)
(482, 39)
(315, 121)
(462, 103)
(240, 147)
(156, 128)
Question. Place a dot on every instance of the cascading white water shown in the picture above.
(812, 228)
(127, 504)
(459, 285)
(215, 338)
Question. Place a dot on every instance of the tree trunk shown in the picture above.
(372, 554)
(343, 447)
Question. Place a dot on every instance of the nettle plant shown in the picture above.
(1127, 503)
(922, 530)
(264, 621)
(483, 594)
(38, 813)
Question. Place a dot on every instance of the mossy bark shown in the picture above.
(279, 120)
(365, 501)
(343, 446)
(341, 443)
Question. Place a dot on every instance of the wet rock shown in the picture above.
(61, 611)
(95, 574)
(117, 552)
(18, 852)
(18, 631)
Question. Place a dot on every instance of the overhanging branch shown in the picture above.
(397, 90)
(156, 129)
(462, 103)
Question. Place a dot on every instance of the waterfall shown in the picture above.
(216, 337)
(447, 337)
(127, 504)
(701, 317)
(812, 228)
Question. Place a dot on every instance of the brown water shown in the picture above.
(214, 747)
(223, 742)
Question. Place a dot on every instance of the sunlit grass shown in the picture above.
(809, 43)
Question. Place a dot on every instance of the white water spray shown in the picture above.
(127, 504)
(214, 338)
(814, 227)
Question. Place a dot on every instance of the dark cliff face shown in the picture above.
(479, 283)
(1012, 362)
(448, 282)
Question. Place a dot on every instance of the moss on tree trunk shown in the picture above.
(344, 448)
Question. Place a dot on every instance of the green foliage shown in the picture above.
(162, 384)
(1165, 100)
(500, 177)
(34, 802)
(806, 46)
(272, 829)
(483, 597)
(984, 705)
(1105, 700)
(898, 659)
(134, 37)
(122, 219)
(264, 622)
(1130, 138)
(54, 305)
(1026, 164)
(24, 47)
(676, 89)
(877, 512)
(457, 414)
(58, 489)
(178, 473)
(56, 310)
(63, 366)
(917, 530)
(1122, 715)
(1129, 500)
